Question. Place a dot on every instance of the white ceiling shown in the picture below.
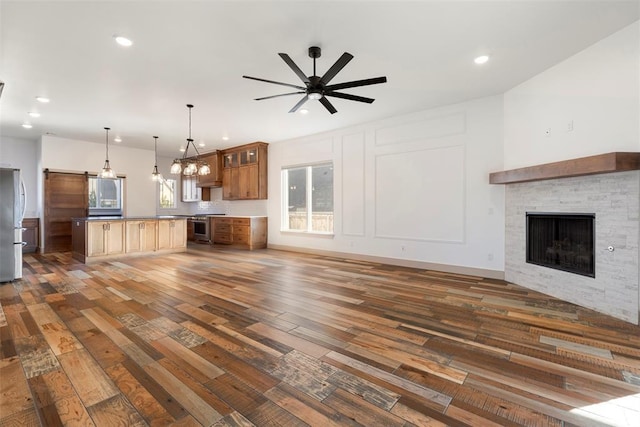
(196, 52)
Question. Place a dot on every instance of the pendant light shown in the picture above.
(107, 172)
(190, 165)
(155, 175)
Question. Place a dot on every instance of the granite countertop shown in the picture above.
(140, 218)
(128, 218)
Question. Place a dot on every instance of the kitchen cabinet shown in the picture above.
(172, 234)
(191, 231)
(105, 238)
(213, 179)
(98, 240)
(31, 234)
(243, 232)
(244, 175)
(191, 192)
(140, 236)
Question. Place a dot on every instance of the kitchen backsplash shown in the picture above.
(212, 207)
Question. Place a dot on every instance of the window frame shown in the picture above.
(97, 211)
(284, 217)
(175, 195)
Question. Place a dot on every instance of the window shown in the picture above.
(307, 194)
(105, 196)
(167, 194)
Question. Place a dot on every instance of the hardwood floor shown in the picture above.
(237, 338)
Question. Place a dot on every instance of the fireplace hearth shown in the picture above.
(562, 241)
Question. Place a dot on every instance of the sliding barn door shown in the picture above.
(66, 196)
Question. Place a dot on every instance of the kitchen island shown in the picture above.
(99, 238)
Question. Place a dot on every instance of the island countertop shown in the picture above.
(128, 218)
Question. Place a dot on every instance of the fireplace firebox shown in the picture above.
(563, 241)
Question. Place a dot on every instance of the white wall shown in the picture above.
(60, 154)
(413, 187)
(20, 153)
(597, 89)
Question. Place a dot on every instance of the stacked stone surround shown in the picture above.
(615, 200)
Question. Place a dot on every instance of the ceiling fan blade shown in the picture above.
(324, 101)
(294, 67)
(276, 96)
(299, 104)
(335, 68)
(349, 97)
(356, 83)
(275, 83)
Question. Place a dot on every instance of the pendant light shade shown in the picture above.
(107, 172)
(155, 175)
(176, 167)
(190, 165)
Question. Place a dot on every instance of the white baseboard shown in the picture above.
(455, 269)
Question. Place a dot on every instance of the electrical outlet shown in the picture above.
(490, 257)
(402, 248)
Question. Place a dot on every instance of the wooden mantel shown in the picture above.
(602, 163)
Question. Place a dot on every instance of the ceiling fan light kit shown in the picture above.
(318, 88)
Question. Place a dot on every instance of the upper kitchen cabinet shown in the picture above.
(244, 174)
(213, 179)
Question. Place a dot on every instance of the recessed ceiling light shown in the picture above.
(27, 126)
(33, 114)
(117, 139)
(225, 138)
(42, 99)
(201, 144)
(123, 41)
(481, 59)
(304, 111)
(182, 149)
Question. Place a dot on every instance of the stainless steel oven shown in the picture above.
(201, 228)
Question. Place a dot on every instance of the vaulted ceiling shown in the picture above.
(196, 52)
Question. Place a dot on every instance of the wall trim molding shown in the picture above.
(446, 268)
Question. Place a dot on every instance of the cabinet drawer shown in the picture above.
(241, 230)
(241, 221)
(223, 221)
(222, 228)
(222, 238)
(243, 239)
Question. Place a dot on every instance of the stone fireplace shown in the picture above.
(607, 189)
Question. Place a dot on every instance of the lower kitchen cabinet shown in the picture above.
(141, 236)
(172, 234)
(31, 234)
(96, 240)
(243, 232)
(105, 238)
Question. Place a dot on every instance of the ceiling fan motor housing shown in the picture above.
(315, 52)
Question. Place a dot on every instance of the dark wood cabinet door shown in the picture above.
(31, 234)
(66, 196)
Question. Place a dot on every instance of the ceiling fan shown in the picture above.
(318, 87)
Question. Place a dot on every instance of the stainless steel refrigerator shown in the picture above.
(12, 202)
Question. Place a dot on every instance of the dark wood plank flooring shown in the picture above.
(266, 338)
